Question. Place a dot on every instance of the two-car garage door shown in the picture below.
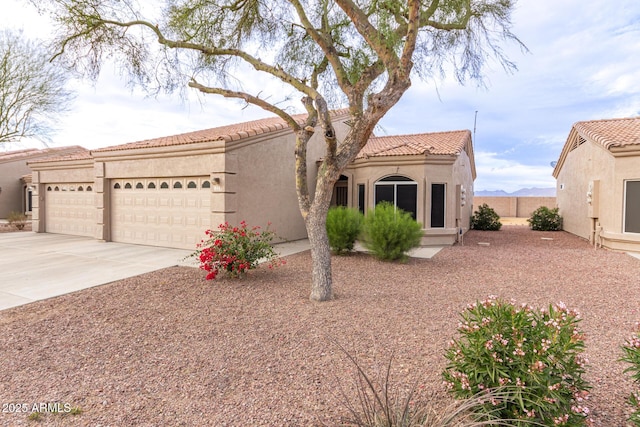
(173, 212)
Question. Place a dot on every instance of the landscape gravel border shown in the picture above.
(170, 348)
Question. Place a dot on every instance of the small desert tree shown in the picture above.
(328, 53)
(32, 90)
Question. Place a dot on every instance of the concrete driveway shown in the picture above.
(36, 266)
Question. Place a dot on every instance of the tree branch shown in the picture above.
(327, 46)
(250, 99)
(256, 63)
(372, 36)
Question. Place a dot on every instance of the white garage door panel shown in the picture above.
(70, 209)
(145, 213)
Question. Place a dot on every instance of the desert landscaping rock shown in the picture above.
(169, 348)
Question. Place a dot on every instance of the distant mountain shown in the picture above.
(523, 192)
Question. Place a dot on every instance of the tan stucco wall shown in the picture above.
(266, 175)
(11, 194)
(517, 207)
(586, 163)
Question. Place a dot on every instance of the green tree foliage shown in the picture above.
(389, 233)
(343, 228)
(32, 90)
(485, 218)
(327, 53)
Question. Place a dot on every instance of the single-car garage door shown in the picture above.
(70, 208)
(173, 213)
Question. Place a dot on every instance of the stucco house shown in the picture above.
(598, 182)
(15, 176)
(430, 175)
(168, 191)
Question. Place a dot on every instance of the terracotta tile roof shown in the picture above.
(437, 143)
(12, 155)
(612, 132)
(39, 155)
(227, 133)
(79, 154)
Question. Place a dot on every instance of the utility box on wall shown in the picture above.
(593, 199)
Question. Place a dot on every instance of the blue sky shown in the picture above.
(583, 64)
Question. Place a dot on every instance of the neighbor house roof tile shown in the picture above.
(227, 133)
(436, 143)
(612, 132)
(42, 155)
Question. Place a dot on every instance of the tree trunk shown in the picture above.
(316, 223)
(321, 287)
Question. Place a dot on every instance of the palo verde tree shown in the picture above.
(32, 89)
(358, 53)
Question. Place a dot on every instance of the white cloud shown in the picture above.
(496, 173)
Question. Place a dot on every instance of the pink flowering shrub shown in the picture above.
(534, 357)
(632, 356)
(235, 250)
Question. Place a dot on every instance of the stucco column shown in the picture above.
(224, 197)
(38, 207)
(101, 186)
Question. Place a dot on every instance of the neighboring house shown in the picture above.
(168, 191)
(429, 175)
(15, 177)
(598, 182)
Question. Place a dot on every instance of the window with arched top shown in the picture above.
(80, 188)
(49, 188)
(151, 185)
(139, 185)
(164, 185)
(127, 186)
(177, 184)
(116, 186)
(398, 190)
(206, 184)
(89, 188)
(192, 184)
(56, 189)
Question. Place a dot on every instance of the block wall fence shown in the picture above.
(514, 207)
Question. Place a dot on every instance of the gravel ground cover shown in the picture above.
(169, 348)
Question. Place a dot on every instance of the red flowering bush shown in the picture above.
(236, 250)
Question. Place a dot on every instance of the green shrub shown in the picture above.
(343, 228)
(389, 232)
(534, 355)
(632, 356)
(17, 219)
(485, 218)
(545, 219)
